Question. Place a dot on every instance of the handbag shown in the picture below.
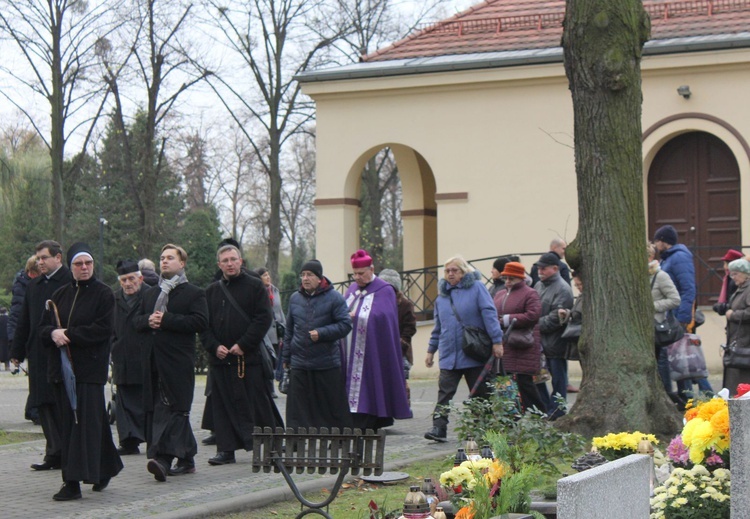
(571, 334)
(736, 356)
(267, 358)
(521, 339)
(669, 330)
(686, 360)
(477, 344)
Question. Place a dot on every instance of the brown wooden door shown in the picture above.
(694, 185)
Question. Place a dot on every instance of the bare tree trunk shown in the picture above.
(621, 391)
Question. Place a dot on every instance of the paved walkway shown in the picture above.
(134, 493)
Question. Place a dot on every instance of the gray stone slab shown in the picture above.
(616, 490)
(739, 431)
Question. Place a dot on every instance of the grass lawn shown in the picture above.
(353, 499)
(6, 438)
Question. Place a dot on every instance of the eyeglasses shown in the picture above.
(43, 258)
(452, 271)
(79, 264)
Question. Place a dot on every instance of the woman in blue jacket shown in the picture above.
(462, 287)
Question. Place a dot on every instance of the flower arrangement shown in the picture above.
(485, 488)
(694, 493)
(618, 445)
(706, 431)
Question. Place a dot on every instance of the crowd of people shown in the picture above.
(344, 359)
(347, 357)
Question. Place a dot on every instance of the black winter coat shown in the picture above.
(325, 311)
(20, 283)
(27, 343)
(227, 327)
(127, 364)
(170, 350)
(86, 312)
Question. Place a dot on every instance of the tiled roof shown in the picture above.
(507, 25)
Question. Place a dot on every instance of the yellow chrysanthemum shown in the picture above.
(497, 471)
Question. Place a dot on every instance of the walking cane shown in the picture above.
(488, 365)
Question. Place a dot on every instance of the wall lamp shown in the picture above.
(684, 91)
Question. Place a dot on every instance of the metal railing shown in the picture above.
(421, 285)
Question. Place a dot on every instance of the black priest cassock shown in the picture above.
(240, 393)
(170, 316)
(85, 309)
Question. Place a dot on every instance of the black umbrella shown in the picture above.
(68, 375)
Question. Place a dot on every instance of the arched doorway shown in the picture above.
(694, 185)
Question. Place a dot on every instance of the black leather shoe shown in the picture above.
(437, 434)
(222, 458)
(181, 468)
(157, 469)
(68, 492)
(209, 440)
(47, 465)
(127, 451)
(103, 483)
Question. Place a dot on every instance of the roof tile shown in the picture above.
(502, 25)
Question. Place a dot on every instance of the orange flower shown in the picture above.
(466, 512)
(707, 409)
(691, 413)
(720, 422)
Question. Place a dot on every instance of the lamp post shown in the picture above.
(100, 263)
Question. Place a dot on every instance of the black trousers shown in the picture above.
(529, 394)
(49, 418)
(447, 386)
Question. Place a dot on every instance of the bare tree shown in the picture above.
(297, 196)
(57, 41)
(159, 65)
(238, 187)
(273, 42)
(602, 44)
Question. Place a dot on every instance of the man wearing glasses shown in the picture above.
(27, 344)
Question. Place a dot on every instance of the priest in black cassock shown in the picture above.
(127, 365)
(84, 308)
(239, 316)
(170, 316)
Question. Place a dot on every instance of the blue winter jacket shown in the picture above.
(474, 304)
(325, 311)
(678, 263)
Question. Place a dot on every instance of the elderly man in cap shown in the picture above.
(127, 365)
(78, 327)
(557, 247)
(316, 322)
(555, 294)
(239, 314)
(374, 376)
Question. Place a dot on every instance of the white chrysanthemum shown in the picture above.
(690, 488)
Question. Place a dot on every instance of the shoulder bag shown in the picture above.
(669, 330)
(477, 344)
(266, 349)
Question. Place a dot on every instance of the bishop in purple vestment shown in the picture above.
(374, 376)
